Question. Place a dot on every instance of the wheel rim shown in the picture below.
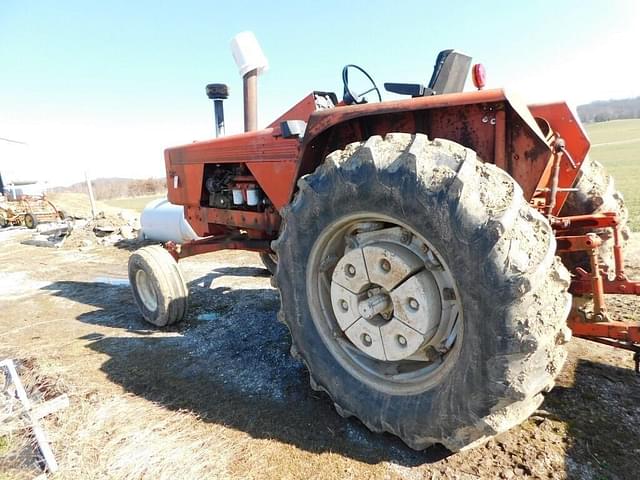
(384, 302)
(28, 221)
(146, 291)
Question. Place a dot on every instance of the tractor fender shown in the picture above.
(498, 126)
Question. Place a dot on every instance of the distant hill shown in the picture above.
(105, 188)
(605, 110)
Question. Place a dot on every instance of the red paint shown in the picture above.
(479, 76)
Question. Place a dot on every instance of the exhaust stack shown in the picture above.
(251, 62)
(250, 91)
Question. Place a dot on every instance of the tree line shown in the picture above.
(105, 188)
(605, 110)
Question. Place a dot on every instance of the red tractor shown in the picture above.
(433, 254)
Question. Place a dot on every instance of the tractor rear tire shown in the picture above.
(270, 262)
(158, 286)
(469, 225)
(596, 193)
(30, 221)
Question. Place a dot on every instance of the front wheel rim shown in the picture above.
(146, 291)
(384, 302)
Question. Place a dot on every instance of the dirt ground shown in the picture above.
(219, 396)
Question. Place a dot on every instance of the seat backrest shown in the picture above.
(450, 72)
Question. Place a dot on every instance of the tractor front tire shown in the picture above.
(158, 286)
(422, 291)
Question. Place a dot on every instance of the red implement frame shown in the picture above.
(596, 325)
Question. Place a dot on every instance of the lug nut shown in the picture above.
(344, 305)
(366, 339)
(413, 304)
(405, 237)
(448, 294)
(401, 341)
(350, 270)
(385, 265)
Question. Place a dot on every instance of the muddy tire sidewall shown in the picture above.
(477, 383)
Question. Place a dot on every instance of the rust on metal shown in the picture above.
(300, 111)
(500, 140)
(250, 93)
(581, 284)
(591, 221)
(267, 221)
(541, 146)
(472, 119)
(624, 331)
(214, 244)
(567, 126)
(578, 243)
(215, 221)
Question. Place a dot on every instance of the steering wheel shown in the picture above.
(349, 97)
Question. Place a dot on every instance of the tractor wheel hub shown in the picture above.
(385, 300)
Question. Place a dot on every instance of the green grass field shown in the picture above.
(132, 203)
(616, 145)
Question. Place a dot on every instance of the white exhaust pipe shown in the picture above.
(251, 62)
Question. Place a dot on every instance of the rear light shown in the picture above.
(479, 76)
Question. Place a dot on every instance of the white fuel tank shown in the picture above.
(162, 221)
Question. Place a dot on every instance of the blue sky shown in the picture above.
(105, 86)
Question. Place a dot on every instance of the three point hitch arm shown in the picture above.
(596, 325)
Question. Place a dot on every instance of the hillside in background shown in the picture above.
(617, 146)
(106, 188)
(605, 110)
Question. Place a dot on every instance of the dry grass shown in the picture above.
(77, 204)
(125, 437)
(105, 433)
(115, 436)
(19, 457)
(133, 203)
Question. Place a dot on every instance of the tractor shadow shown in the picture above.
(230, 364)
(601, 409)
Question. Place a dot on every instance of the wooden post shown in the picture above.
(36, 428)
(91, 198)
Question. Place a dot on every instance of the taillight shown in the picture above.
(479, 76)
